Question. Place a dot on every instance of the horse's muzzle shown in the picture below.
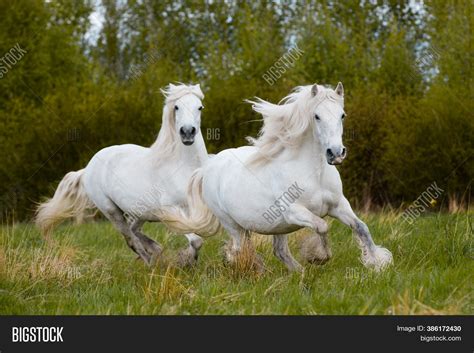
(335, 156)
(187, 134)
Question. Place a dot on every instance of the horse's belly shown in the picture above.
(278, 228)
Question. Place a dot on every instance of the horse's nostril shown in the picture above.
(193, 130)
(343, 152)
(329, 152)
(181, 131)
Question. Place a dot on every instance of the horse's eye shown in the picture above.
(176, 107)
(201, 107)
(317, 117)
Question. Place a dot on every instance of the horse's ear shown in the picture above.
(314, 90)
(340, 89)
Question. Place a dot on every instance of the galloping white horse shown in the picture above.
(286, 181)
(128, 183)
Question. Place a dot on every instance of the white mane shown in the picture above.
(167, 139)
(285, 123)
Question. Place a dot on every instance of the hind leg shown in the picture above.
(189, 255)
(240, 251)
(282, 252)
(235, 245)
(115, 215)
(152, 248)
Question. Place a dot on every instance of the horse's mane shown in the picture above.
(285, 123)
(167, 140)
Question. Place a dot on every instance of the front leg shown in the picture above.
(373, 255)
(301, 216)
(314, 249)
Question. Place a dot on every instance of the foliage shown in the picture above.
(406, 69)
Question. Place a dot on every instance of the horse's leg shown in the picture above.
(115, 215)
(301, 216)
(235, 245)
(189, 255)
(153, 249)
(282, 251)
(372, 255)
(315, 249)
(240, 250)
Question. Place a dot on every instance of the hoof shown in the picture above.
(152, 248)
(318, 261)
(379, 260)
(244, 260)
(314, 251)
(187, 257)
(197, 243)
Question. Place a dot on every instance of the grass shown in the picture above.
(88, 269)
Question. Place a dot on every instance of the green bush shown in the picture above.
(407, 76)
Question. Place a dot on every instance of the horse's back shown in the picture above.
(233, 159)
(119, 151)
(111, 158)
(231, 155)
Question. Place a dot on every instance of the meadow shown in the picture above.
(88, 269)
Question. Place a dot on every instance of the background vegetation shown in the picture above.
(407, 69)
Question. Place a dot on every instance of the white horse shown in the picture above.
(128, 183)
(286, 181)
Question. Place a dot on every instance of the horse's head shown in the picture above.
(328, 114)
(187, 110)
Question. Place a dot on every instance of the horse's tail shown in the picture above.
(69, 201)
(198, 218)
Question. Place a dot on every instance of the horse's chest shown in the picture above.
(318, 200)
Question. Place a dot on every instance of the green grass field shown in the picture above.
(88, 269)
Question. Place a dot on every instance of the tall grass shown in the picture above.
(88, 269)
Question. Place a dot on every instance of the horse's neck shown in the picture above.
(186, 156)
(308, 154)
(194, 155)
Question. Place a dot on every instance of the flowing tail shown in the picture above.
(69, 201)
(198, 218)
